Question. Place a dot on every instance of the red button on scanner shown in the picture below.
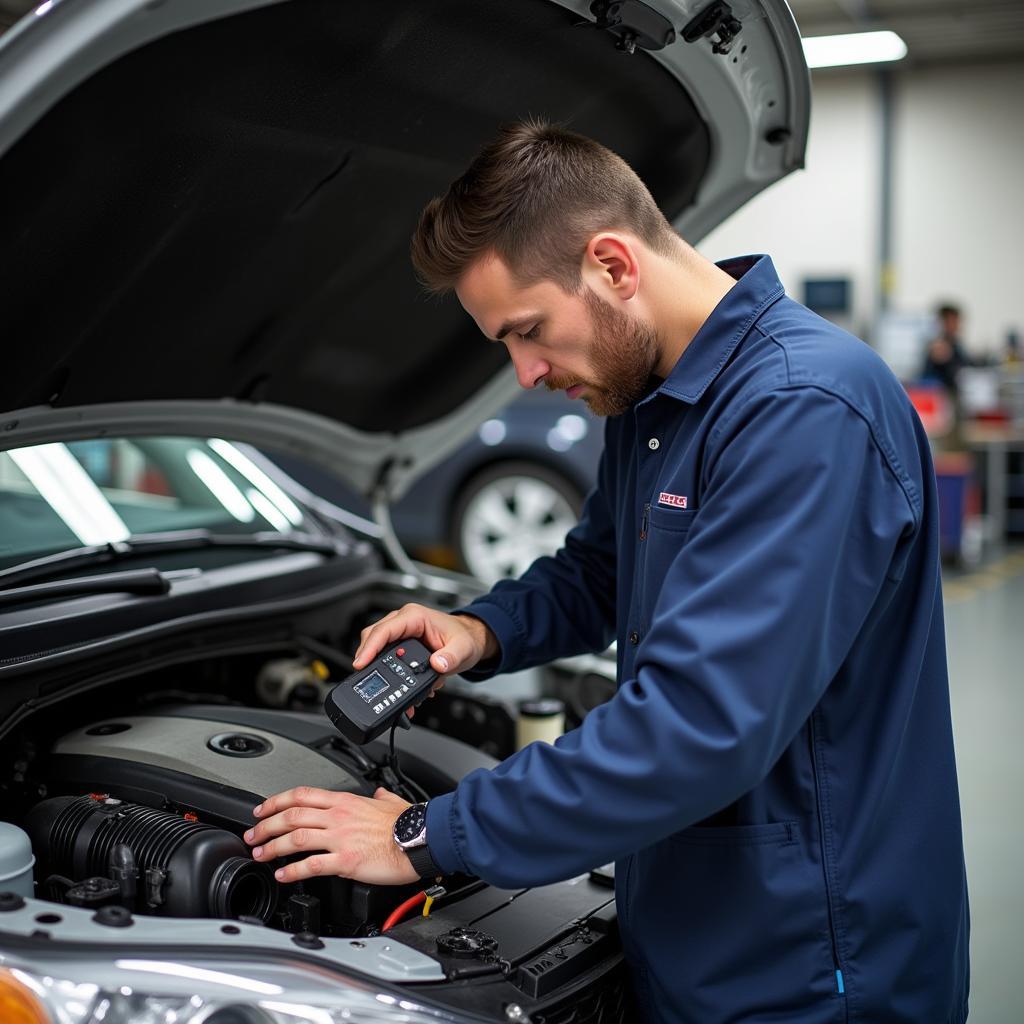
(400, 652)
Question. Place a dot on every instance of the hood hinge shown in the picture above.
(380, 512)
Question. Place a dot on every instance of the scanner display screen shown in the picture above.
(371, 686)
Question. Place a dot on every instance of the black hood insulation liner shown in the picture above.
(226, 211)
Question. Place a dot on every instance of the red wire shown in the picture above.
(402, 909)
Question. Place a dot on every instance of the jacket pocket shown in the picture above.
(775, 833)
(674, 520)
(664, 537)
(731, 923)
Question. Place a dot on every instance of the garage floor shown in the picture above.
(985, 641)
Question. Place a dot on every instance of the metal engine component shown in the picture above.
(284, 679)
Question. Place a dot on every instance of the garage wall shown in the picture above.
(959, 224)
(820, 222)
(958, 197)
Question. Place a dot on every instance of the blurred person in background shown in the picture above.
(945, 356)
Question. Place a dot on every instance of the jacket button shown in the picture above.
(634, 638)
(654, 444)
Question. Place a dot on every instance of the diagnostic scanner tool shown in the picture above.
(371, 700)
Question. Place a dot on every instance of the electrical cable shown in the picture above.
(402, 909)
(435, 892)
(324, 651)
(367, 767)
(52, 881)
(419, 795)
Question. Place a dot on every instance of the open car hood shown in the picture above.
(206, 204)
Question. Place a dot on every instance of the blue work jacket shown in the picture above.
(774, 776)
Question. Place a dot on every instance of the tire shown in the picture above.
(510, 514)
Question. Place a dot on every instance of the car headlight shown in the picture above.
(133, 990)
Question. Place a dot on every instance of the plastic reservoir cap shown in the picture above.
(543, 708)
(542, 719)
(16, 860)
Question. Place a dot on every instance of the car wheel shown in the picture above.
(511, 514)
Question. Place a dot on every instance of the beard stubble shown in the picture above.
(623, 355)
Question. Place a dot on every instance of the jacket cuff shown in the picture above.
(505, 629)
(441, 834)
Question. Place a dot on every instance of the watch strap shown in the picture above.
(422, 863)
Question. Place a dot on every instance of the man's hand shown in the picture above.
(458, 641)
(347, 835)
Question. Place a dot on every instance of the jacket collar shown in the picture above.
(757, 287)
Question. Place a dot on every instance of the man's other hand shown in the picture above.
(346, 834)
(458, 641)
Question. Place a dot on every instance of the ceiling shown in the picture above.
(934, 30)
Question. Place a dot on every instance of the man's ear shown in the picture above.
(611, 266)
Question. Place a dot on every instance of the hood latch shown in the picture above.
(633, 24)
(716, 17)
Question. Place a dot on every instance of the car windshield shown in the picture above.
(56, 497)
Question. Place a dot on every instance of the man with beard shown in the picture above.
(774, 777)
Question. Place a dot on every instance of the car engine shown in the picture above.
(140, 816)
(151, 809)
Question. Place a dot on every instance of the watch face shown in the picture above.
(411, 824)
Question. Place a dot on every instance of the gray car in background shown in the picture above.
(503, 498)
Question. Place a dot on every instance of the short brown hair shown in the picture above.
(535, 196)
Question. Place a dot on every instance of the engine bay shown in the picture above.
(146, 812)
(138, 816)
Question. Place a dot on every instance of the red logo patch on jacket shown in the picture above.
(676, 500)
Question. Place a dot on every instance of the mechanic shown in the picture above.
(774, 777)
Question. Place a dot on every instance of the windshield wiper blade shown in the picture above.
(132, 581)
(146, 543)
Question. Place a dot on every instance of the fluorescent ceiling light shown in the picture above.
(853, 48)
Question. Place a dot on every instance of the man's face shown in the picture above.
(579, 344)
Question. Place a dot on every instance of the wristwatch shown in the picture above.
(411, 835)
